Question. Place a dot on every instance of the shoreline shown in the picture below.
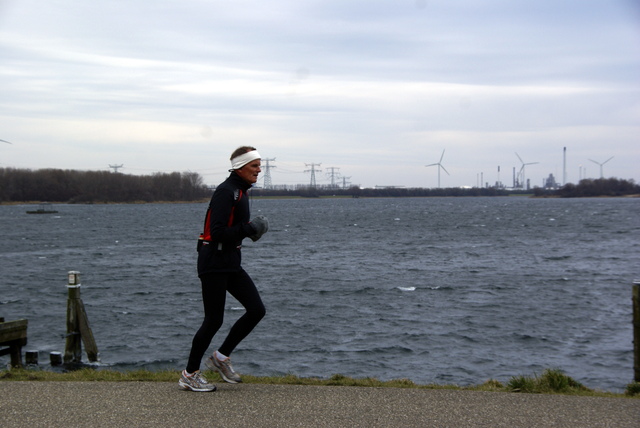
(206, 200)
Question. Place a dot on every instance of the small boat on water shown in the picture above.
(44, 208)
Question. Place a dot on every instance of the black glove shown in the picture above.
(261, 225)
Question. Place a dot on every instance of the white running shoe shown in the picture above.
(224, 368)
(195, 382)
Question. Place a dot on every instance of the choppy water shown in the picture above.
(444, 290)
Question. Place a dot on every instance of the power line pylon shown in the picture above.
(115, 167)
(345, 183)
(313, 172)
(333, 174)
(267, 172)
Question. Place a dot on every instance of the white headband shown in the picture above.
(240, 161)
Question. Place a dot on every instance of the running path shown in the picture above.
(141, 404)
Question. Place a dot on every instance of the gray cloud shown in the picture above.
(377, 89)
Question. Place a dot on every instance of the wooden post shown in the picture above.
(78, 329)
(72, 347)
(55, 358)
(31, 358)
(636, 329)
(86, 334)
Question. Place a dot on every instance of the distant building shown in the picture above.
(550, 182)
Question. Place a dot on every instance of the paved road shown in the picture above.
(141, 404)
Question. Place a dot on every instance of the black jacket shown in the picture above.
(228, 224)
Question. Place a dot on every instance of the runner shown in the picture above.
(220, 271)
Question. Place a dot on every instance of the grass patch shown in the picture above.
(633, 389)
(552, 381)
(89, 375)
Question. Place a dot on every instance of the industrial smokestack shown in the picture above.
(564, 166)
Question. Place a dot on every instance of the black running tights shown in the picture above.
(214, 294)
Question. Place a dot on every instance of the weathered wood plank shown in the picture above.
(13, 330)
(86, 334)
(14, 335)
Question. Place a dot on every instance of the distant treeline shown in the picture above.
(356, 192)
(56, 185)
(70, 186)
(589, 188)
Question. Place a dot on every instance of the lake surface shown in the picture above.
(436, 290)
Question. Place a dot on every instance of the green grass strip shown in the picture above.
(552, 381)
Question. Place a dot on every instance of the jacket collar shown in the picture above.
(238, 181)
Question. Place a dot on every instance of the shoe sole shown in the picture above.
(187, 387)
(226, 379)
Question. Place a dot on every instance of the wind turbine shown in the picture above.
(5, 141)
(601, 175)
(521, 172)
(439, 166)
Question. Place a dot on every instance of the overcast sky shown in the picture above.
(372, 90)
